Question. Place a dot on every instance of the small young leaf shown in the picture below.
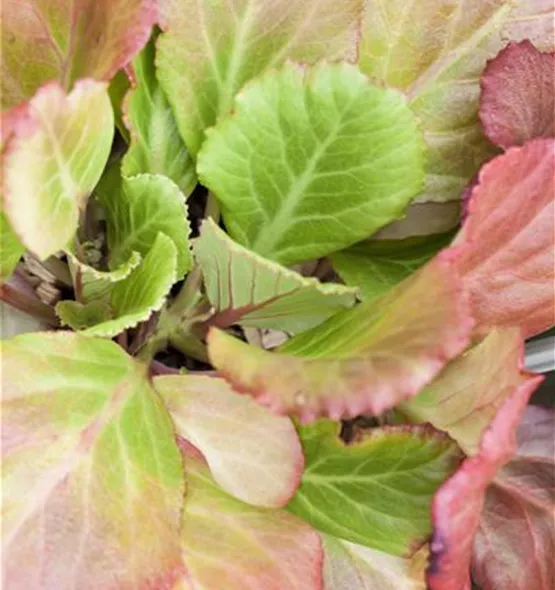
(435, 51)
(53, 159)
(210, 49)
(95, 284)
(365, 359)
(311, 161)
(377, 490)
(249, 290)
(377, 265)
(515, 542)
(92, 478)
(229, 544)
(517, 101)
(133, 299)
(65, 40)
(457, 507)
(252, 454)
(79, 316)
(508, 259)
(353, 567)
(156, 145)
(467, 394)
(11, 249)
(138, 210)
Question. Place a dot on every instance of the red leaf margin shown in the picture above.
(457, 506)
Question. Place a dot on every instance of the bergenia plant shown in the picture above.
(280, 258)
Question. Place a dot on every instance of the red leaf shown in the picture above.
(518, 100)
(515, 543)
(457, 506)
(507, 256)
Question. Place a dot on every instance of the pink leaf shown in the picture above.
(65, 40)
(457, 506)
(253, 454)
(517, 100)
(233, 546)
(507, 255)
(515, 543)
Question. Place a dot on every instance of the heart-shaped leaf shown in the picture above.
(377, 490)
(365, 359)
(252, 454)
(312, 160)
(65, 142)
(88, 452)
(517, 101)
(247, 289)
(65, 40)
(435, 52)
(210, 49)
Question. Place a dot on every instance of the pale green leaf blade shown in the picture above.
(376, 266)
(376, 491)
(138, 210)
(88, 451)
(253, 454)
(245, 288)
(11, 249)
(156, 146)
(52, 161)
(311, 161)
(435, 52)
(361, 360)
(210, 49)
(79, 316)
(229, 544)
(348, 566)
(144, 291)
(466, 395)
(93, 284)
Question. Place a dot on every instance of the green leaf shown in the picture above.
(135, 298)
(253, 454)
(11, 249)
(246, 289)
(376, 266)
(79, 316)
(156, 145)
(53, 159)
(312, 160)
(210, 49)
(119, 86)
(66, 40)
(88, 450)
(229, 544)
(353, 567)
(376, 491)
(94, 284)
(435, 51)
(365, 359)
(137, 211)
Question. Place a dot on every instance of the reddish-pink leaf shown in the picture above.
(518, 95)
(507, 256)
(457, 506)
(65, 40)
(515, 543)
